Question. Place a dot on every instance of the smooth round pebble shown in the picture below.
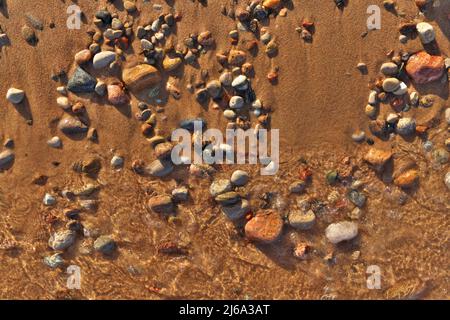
(341, 231)
(239, 178)
(236, 102)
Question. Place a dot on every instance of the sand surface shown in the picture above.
(318, 103)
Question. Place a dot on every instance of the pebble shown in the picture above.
(6, 159)
(237, 57)
(424, 68)
(15, 96)
(229, 114)
(341, 231)
(402, 89)
(100, 88)
(63, 102)
(161, 204)
(81, 82)
(117, 162)
(220, 186)
(266, 37)
(54, 261)
(55, 142)
(214, 88)
(302, 221)
(414, 98)
(266, 226)
(371, 111)
(357, 198)
(426, 32)
(391, 84)
(49, 200)
(62, 240)
(170, 64)
(116, 95)
(447, 180)
(392, 118)
(70, 125)
(29, 35)
(236, 102)
(141, 77)
(406, 126)
(180, 194)
(355, 214)
(105, 244)
(440, 156)
(359, 136)
(227, 198)
(236, 211)
(226, 78)
(407, 179)
(103, 59)
(240, 83)
(160, 168)
(297, 186)
(83, 56)
(373, 98)
(239, 178)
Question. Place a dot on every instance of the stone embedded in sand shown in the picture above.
(6, 158)
(237, 57)
(228, 198)
(163, 150)
(116, 95)
(302, 221)
(341, 231)
(424, 68)
(266, 226)
(105, 245)
(161, 204)
(407, 179)
(239, 178)
(406, 126)
(15, 96)
(205, 39)
(141, 76)
(159, 168)
(377, 157)
(70, 125)
(81, 82)
(391, 84)
(83, 56)
(271, 4)
(103, 59)
(29, 35)
(236, 211)
(220, 186)
(389, 69)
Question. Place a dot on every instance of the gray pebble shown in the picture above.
(105, 245)
(236, 211)
(49, 200)
(117, 162)
(406, 126)
(220, 186)
(302, 221)
(236, 102)
(15, 96)
(239, 178)
(103, 59)
(62, 240)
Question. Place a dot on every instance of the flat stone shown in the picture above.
(406, 126)
(55, 142)
(341, 231)
(302, 221)
(391, 84)
(6, 158)
(70, 125)
(266, 226)
(220, 186)
(389, 69)
(377, 157)
(54, 261)
(105, 244)
(161, 204)
(228, 198)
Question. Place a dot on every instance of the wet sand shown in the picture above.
(318, 102)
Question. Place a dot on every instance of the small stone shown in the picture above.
(424, 68)
(332, 177)
(371, 111)
(6, 159)
(105, 245)
(240, 83)
(116, 95)
(392, 118)
(129, 6)
(407, 179)
(100, 88)
(406, 126)
(359, 136)
(205, 39)
(103, 59)
(54, 261)
(84, 56)
(297, 186)
(426, 32)
(117, 162)
(266, 226)
(355, 214)
(62, 240)
(141, 77)
(214, 88)
(271, 4)
(237, 57)
(362, 67)
(357, 198)
(160, 168)
(81, 82)
(180, 194)
(161, 204)
(401, 90)
(236, 211)
(229, 114)
(239, 178)
(220, 186)
(236, 102)
(29, 35)
(440, 156)
(70, 125)
(170, 64)
(302, 221)
(341, 231)
(55, 142)
(391, 84)
(163, 150)
(64, 103)
(414, 98)
(226, 78)
(49, 200)
(227, 198)
(373, 98)
(15, 96)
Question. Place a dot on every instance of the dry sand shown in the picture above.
(318, 102)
